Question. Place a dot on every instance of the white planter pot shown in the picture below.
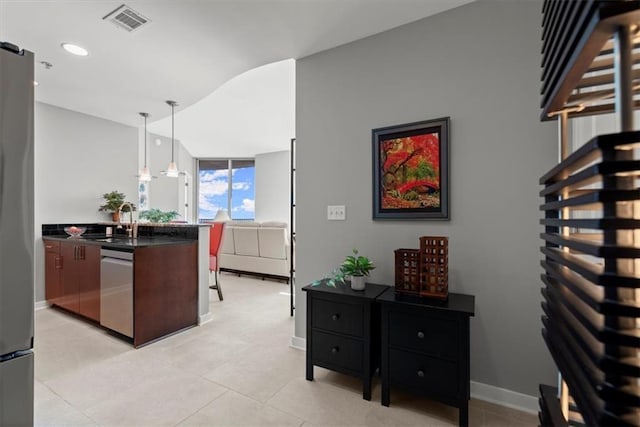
(357, 283)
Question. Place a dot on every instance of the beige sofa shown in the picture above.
(256, 248)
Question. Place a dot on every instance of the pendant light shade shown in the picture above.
(172, 170)
(144, 172)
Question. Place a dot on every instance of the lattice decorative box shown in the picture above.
(434, 267)
(407, 271)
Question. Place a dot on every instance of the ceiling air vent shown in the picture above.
(127, 18)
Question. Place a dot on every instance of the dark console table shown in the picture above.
(425, 347)
(343, 331)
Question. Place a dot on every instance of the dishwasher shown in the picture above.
(116, 291)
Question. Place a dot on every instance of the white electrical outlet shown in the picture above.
(336, 213)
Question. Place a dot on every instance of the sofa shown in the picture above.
(256, 248)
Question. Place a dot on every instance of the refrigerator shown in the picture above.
(16, 236)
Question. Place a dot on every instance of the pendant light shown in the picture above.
(144, 172)
(172, 170)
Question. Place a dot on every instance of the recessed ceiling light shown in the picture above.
(75, 49)
(35, 83)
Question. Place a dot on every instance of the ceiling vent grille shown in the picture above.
(127, 18)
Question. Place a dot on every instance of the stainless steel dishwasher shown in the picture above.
(116, 291)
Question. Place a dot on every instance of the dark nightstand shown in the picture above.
(343, 331)
(425, 347)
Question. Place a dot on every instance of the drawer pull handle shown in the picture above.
(420, 334)
(335, 350)
(335, 316)
(421, 373)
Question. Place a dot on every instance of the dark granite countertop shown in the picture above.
(121, 242)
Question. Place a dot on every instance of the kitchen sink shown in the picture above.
(122, 240)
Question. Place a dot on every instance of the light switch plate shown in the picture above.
(336, 213)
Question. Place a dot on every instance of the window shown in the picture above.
(226, 184)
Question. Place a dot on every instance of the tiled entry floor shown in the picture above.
(237, 370)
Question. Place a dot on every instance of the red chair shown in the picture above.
(216, 233)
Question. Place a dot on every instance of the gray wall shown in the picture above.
(272, 186)
(78, 158)
(480, 65)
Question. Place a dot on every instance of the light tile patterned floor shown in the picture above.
(237, 370)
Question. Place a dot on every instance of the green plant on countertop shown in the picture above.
(156, 215)
(113, 200)
(353, 265)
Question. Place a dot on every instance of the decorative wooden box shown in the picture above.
(407, 271)
(425, 271)
(434, 267)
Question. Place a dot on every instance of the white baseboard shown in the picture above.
(41, 305)
(504, 397)
(489, 393)
(205, 318)
(298, 343)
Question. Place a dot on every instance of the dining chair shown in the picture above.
(216, 234)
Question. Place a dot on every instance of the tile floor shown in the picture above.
(237, 370)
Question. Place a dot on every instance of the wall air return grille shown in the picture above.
(126, 18)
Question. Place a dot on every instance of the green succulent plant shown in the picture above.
(113, 200)
(353, 265)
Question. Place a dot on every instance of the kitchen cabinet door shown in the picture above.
(53, 265)
(68, 277)
(88, 276)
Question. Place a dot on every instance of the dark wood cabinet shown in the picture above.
(52, 267)
(72, 277)
(343, 331)
(425, 347)
(88, 267)
(165, 284)
(68, 278)
(165, 291)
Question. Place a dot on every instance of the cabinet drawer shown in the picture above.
(431, 335)
(339, 317)
(337, 351)
(426, 373)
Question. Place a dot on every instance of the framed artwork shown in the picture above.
(411, 170)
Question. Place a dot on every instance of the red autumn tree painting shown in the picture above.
(410, 172)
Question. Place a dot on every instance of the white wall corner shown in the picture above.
(298, 343)
(40, 305)
(489, 393)
(204, 318)
(504, 397)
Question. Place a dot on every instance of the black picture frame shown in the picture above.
(411, 171)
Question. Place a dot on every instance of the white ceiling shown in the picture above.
(190, 49)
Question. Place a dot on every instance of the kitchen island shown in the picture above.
(144, 288)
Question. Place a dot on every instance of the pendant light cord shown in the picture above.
(172, 128)
(172, 170)
(145, 140)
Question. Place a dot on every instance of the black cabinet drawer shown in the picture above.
(339, 317)
(435, 336)
(423, 372)
(337, 351)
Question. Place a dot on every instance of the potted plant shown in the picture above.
(113, 200)
(156, 215)
(354, 266)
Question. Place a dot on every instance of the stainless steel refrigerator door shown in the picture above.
(16, 202)
(16, 391)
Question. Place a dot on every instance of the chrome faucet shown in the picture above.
(130, 230)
